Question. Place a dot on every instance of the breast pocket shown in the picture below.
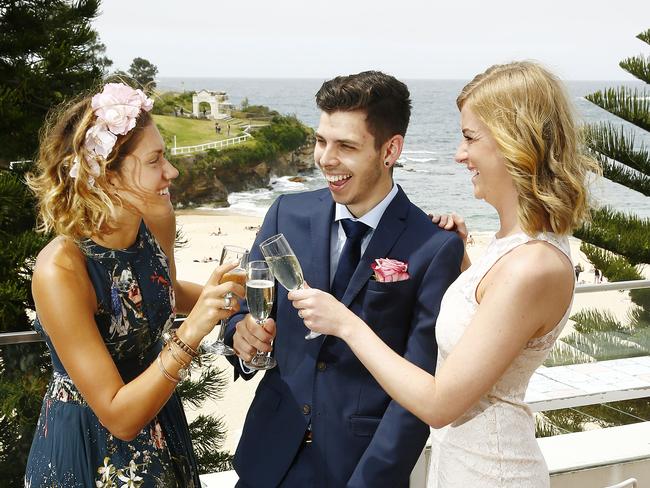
(388, 305)
(392, 287)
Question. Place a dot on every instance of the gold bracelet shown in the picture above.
(165, 373)
(177, 340)
(170, 347)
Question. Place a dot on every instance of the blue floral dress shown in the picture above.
(71, 448)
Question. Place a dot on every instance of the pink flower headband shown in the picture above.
(117, 107)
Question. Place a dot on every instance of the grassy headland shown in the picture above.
(190, 131)
(281, 147)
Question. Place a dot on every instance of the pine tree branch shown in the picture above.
(644, 36)
(595, 320)
(210, 384)
(208, 434)
(622, 175)
(637, 66)
(180, 241)
(626, 103)
(618, 144)
(619, 233)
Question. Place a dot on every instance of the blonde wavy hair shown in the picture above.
(71, 206)
(530, 116)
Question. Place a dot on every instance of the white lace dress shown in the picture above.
(493, 444)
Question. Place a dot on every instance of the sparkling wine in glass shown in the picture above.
(238, 275)
(284, 265)
(260, 289)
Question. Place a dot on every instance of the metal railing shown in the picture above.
(615, 285)
(20, 337)
(25, 337)
(32, 336)
(218, 145)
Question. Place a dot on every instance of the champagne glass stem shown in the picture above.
(311, 335)
(219, 347)
(221, 333)
(259, 355)
(261, 360)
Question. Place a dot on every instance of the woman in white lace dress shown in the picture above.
(500, 318)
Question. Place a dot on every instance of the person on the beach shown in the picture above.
(501, 317)
(578, 269)
(319, 419)
(105, 290)
(598, 276)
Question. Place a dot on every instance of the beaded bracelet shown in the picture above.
(170, 347)
(165, 373)
(176, 340)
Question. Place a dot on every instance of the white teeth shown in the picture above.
(164, 192)
(334, 178)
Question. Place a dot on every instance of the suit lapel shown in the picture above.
(318, 274)
(390, 227)
(320, 231)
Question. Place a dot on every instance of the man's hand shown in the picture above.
(250, 337)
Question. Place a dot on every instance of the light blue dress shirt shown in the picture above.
(371, 219)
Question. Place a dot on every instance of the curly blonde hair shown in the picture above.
(530, 116)
(72, 206)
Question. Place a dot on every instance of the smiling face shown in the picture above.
(145, 176)
(481, 154)
(355, 169)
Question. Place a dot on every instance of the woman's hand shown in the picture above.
(213, 305)
(455, 223)
(452, 222)
(321, 312)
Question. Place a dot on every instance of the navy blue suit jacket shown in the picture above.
(361, 438)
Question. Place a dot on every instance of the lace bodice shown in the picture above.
(493, 443)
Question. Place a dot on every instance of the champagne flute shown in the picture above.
(238, 275)
(260, 288)
(284, 265)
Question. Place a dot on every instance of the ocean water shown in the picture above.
(430, 177)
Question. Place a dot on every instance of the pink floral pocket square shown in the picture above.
(390, 270)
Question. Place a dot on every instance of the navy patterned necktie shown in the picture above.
(350, 256)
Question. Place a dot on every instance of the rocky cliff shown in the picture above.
(212, 186)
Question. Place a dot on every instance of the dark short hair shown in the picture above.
(384, 98)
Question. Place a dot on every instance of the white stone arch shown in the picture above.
(214, 99)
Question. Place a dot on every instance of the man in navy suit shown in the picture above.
(319, 419)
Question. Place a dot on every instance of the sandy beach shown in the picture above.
(207, 232)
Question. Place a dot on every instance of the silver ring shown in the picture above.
(227, 303)
(300, 314)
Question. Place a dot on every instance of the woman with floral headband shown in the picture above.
(499, 319)
(105, 290)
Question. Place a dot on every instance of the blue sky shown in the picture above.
(579, 40)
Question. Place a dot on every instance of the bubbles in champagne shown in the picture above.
(286, 270)
(259, 294)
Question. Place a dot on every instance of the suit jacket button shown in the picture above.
(321, 366)
(306, 409)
